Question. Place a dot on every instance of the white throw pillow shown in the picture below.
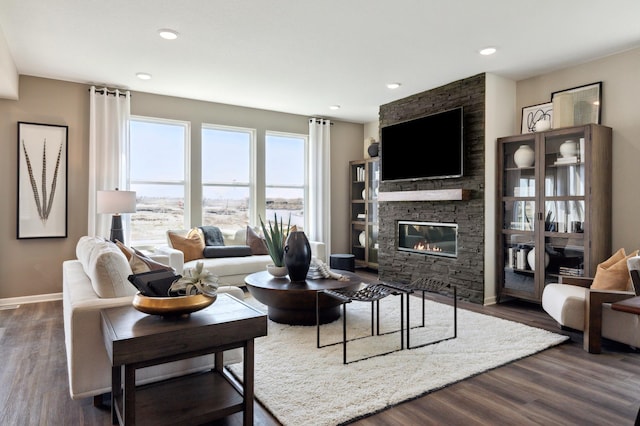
(106, 266)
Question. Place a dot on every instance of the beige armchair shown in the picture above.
(574, 305)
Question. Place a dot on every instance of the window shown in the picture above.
(227, 171)
(158, 174)
(285, 177)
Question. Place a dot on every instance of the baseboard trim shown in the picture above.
(30, 299)
(490, 300)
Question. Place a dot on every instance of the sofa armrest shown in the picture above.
(577, 281)
(592, 338)
(175, 257)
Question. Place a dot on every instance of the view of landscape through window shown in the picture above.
(157, 174)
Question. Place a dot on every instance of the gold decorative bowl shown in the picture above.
(171, 306)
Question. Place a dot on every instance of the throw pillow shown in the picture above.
(256, 242)
(212, 236)
(226, 251)
(127, 251)
(613, 273)
(192, 245)
(141, 263)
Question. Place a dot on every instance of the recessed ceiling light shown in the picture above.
(488, 51)
(334, 107)
(393, 85)
(143, 76)
(168, 34)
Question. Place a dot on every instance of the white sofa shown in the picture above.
(96, 280)
(230, 271)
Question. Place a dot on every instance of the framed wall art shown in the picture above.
(42, 180)
(577, 106)
(537, 118)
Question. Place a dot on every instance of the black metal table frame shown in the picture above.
(376, 292)
(425, 286)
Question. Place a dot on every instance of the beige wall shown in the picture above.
(33, 267)
(620, 76)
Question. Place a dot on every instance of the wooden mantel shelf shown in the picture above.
(427, 195)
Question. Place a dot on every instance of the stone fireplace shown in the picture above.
(428, 238)
(464, 265)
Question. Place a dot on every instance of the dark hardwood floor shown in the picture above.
(560, 386)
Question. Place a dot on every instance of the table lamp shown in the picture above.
(116, 202)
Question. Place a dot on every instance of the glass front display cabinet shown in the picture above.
(554, 207)
(365, 178)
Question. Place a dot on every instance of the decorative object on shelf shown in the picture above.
(524, 156)
(172, 306)
(373, 149)
(195, 281)
(274, 239)
(531, 259)
(297, 256)
(569, 148)
(277, 271)
(364, 194)
(362, 238)
(577, 106)
(42, 180)
(537, 118)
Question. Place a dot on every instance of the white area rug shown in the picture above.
(303, 385)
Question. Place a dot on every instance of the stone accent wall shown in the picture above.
(467, 270)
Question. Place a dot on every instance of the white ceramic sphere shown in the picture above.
(569, 148)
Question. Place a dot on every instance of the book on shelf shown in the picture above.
(567, 160)
(572, 272)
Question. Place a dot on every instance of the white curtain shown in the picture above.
(320, 182)
(108, 144)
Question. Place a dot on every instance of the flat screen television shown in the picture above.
(430, 147)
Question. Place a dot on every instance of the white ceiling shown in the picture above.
(300, 56)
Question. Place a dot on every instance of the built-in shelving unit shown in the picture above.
(363, 233)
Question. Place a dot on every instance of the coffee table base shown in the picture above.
(306, 317)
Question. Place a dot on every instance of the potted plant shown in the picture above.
(274, 238)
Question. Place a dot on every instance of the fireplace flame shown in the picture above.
(425, 246)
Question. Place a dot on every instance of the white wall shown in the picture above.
(620, 76)
(8, 72)
(500, 96)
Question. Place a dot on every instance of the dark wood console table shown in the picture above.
(136, 340)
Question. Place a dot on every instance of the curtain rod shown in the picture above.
(109, 92)
(320, 120)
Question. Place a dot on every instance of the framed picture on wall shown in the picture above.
(579, 105)
(42, 180)
(540, 115)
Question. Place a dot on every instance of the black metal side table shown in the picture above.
(369, 293)
(424, 285)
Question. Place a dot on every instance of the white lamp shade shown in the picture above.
(116, 202)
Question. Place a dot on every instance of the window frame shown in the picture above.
(305, 185)
(186, 182)
(253, 161)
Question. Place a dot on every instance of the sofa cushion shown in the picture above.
(613, 274)
(565, 303)
(106, 266)
(226, 251)
(256, 242)
(192, 245)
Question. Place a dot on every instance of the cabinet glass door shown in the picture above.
(373, 178)
(519, 216)
(564, 205)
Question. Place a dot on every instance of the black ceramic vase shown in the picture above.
(297, 256)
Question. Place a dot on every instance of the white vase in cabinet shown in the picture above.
(524, 156)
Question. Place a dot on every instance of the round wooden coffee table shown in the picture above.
(295, 303)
